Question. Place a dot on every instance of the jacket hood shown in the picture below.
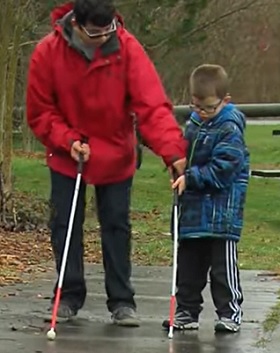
(228, 113)
(60, 11)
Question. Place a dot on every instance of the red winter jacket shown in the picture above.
(69, 97)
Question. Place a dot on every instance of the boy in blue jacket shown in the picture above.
(212, 197)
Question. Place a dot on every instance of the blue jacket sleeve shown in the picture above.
(225, 164)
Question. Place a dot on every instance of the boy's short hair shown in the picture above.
(209, 80)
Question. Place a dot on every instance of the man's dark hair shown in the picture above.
(98, 12)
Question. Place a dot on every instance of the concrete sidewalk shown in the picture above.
(22, 328)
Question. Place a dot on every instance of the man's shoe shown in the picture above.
(65, 311)
(125, 316)
(183, 321)
(226, 325)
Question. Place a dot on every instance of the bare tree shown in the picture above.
(11, 23)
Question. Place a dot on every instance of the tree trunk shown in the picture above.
(4, 59)
(10, 34)
(28, 139)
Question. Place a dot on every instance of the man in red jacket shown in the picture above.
(87, 79)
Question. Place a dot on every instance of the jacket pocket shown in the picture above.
(235, 211)
(229, 208)
(196, 212)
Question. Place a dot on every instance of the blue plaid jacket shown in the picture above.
(217, 177)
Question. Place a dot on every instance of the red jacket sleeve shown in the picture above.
(156, 121)
(43, 116)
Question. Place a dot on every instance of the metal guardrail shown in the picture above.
(260, 110)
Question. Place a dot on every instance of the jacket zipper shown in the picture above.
(190, 161)
(195, 141)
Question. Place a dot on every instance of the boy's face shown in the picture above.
(209, 107)
(92, 35)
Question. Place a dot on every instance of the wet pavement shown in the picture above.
(22, 328)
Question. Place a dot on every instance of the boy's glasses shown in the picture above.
(96, 33)
(208, 109)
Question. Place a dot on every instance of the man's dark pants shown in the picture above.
(113, 203)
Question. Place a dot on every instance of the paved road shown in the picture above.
(22, 328)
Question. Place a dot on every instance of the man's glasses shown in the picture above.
(96, 33)
(208, 109)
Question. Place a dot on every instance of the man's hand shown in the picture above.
(79, 147)
(180, 183)
(180, 166)
(177, 168)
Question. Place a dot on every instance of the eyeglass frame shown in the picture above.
(212, 110)
(101, 34)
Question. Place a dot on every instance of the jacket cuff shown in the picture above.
(190, 179)
(180, 151)
(171, 159)
(70, 138)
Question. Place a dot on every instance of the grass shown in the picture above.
(151, 204)
(269, 325)
(272, 319)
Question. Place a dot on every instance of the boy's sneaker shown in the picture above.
(125, 316)
(226, 325)
(183, 321)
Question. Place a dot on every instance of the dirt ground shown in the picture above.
(27, 254)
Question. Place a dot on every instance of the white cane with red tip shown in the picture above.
(175, 257)
(51, 334)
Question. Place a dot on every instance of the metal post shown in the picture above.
(265, 110)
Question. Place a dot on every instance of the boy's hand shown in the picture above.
(179, 183)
